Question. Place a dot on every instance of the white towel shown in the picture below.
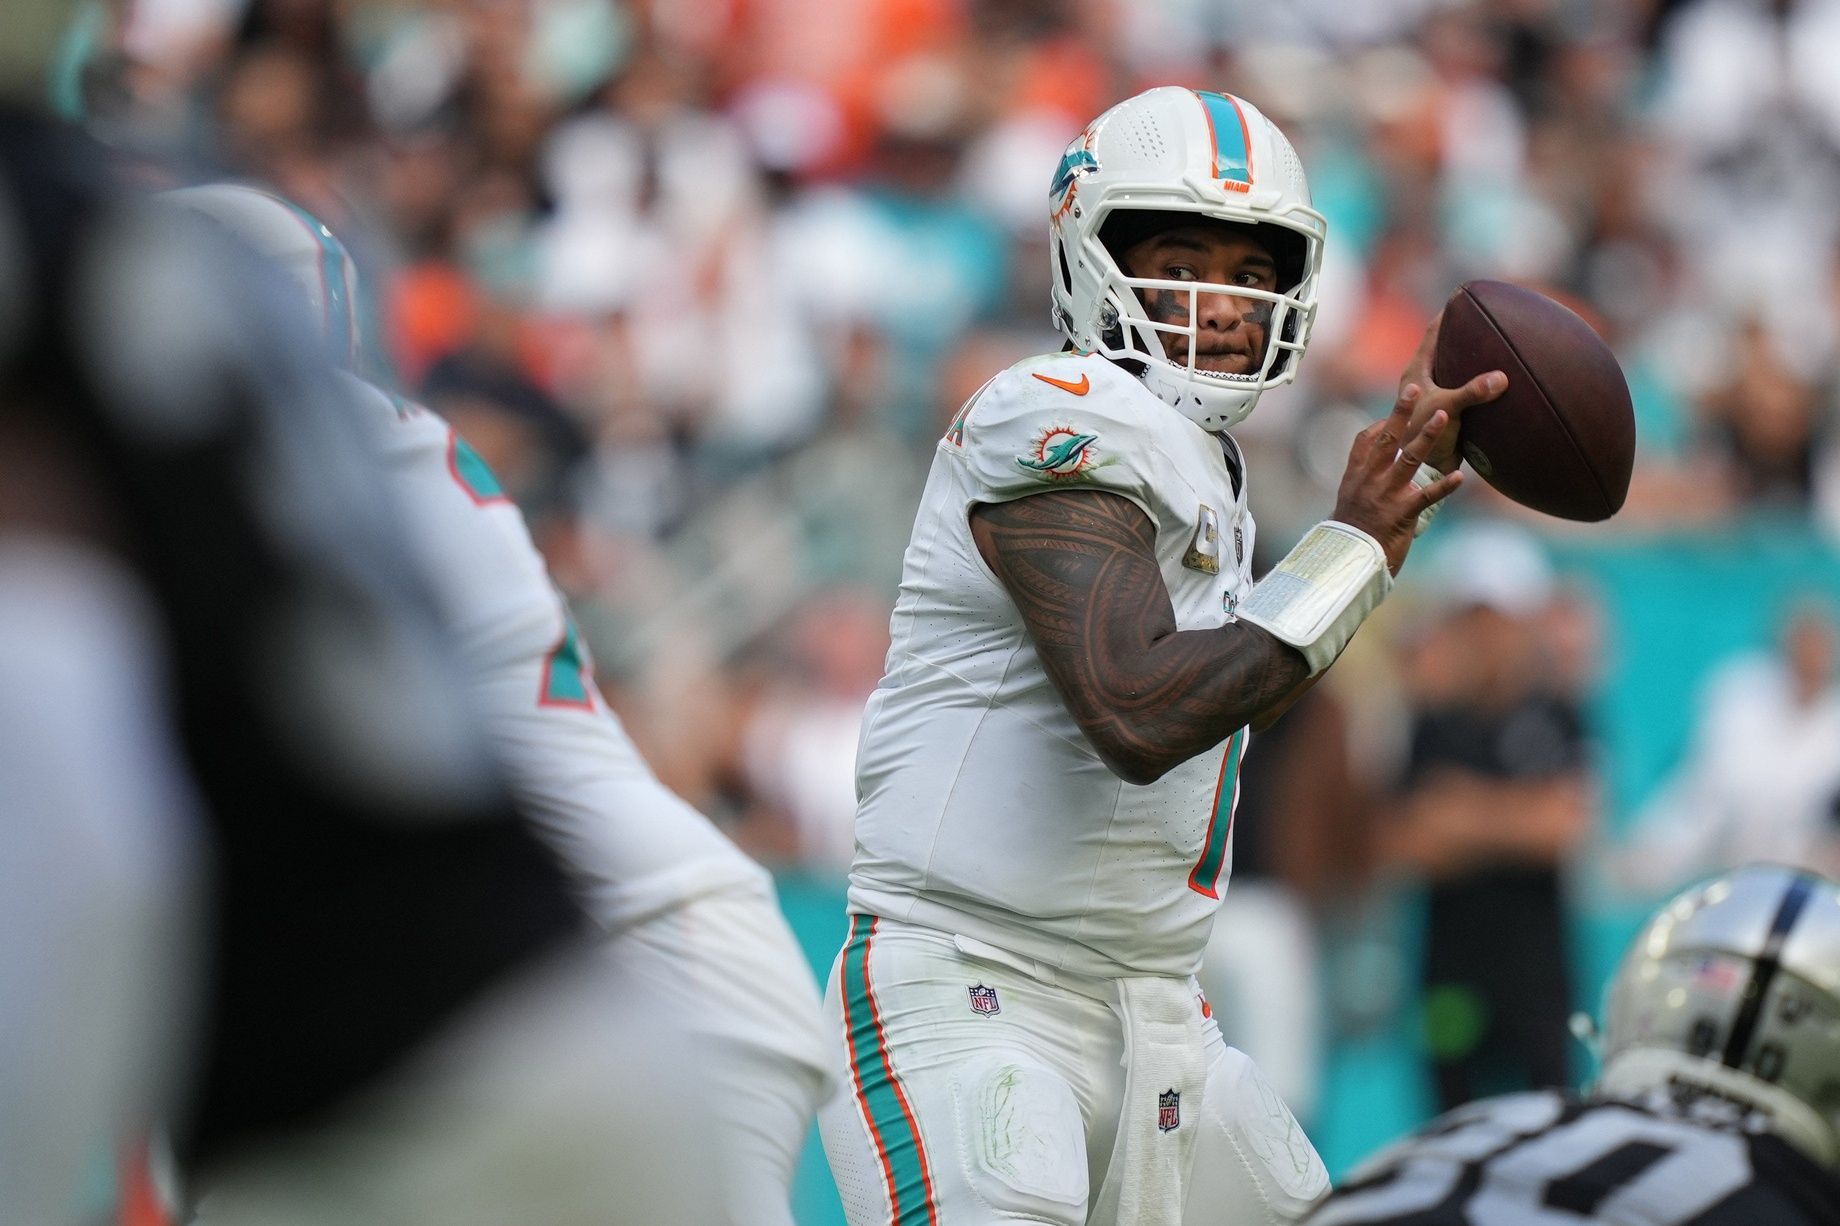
(1165, 1073)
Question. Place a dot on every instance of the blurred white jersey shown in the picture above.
(983, 810)
(706, 964)
(635, 847)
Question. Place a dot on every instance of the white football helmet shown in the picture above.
(306, 250)
(1729, 1000)
(1182, 151)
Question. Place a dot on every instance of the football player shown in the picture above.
(1718, 1104)
(691, 923)
(1048, 771)
(227, 696)
(102, 830)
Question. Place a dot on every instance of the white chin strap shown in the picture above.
(1210, 405)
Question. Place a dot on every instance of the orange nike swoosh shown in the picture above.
(1078, 389)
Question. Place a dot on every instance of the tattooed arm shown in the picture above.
(1081, 567)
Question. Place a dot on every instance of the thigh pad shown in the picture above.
(1022, 1137)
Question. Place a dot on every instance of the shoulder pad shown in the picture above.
(1061, 421)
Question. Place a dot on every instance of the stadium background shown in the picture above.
(704, 279)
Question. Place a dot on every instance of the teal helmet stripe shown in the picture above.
(1232, 149)
(332, 260)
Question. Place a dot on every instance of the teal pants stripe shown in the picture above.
(892, 1126)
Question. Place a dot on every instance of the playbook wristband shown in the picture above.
(1426, 475)
(1318, 596)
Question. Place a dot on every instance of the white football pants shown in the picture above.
(1260, 974)
(725, 973)
(985, 1087)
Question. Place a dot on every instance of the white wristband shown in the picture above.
(1426, 475)
(1318, 596)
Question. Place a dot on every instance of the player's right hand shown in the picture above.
(1428, 397)
(1377, 494)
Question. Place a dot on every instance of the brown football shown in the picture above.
(1562, 438)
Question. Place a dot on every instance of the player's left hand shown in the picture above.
(1430, 398)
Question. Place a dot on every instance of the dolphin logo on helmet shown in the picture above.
(1076, 163)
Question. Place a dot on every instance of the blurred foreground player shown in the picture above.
(101, 835)
(1719, 1102)
(400, 1019)
(1048, 770)
(690, 922)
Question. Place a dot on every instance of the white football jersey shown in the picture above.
(634, 846)
(983, 810)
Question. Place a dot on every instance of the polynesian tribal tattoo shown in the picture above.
(1081, 568)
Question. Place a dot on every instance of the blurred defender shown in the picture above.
(226, 696)
(1719, 1103)
(1048, 770)
(691, 924)
(102, 830)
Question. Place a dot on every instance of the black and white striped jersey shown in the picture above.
(1550, 1159)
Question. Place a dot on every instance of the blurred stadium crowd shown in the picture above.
(703, 280)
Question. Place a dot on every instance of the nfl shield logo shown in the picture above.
(983, 999)
(1168, 1110)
